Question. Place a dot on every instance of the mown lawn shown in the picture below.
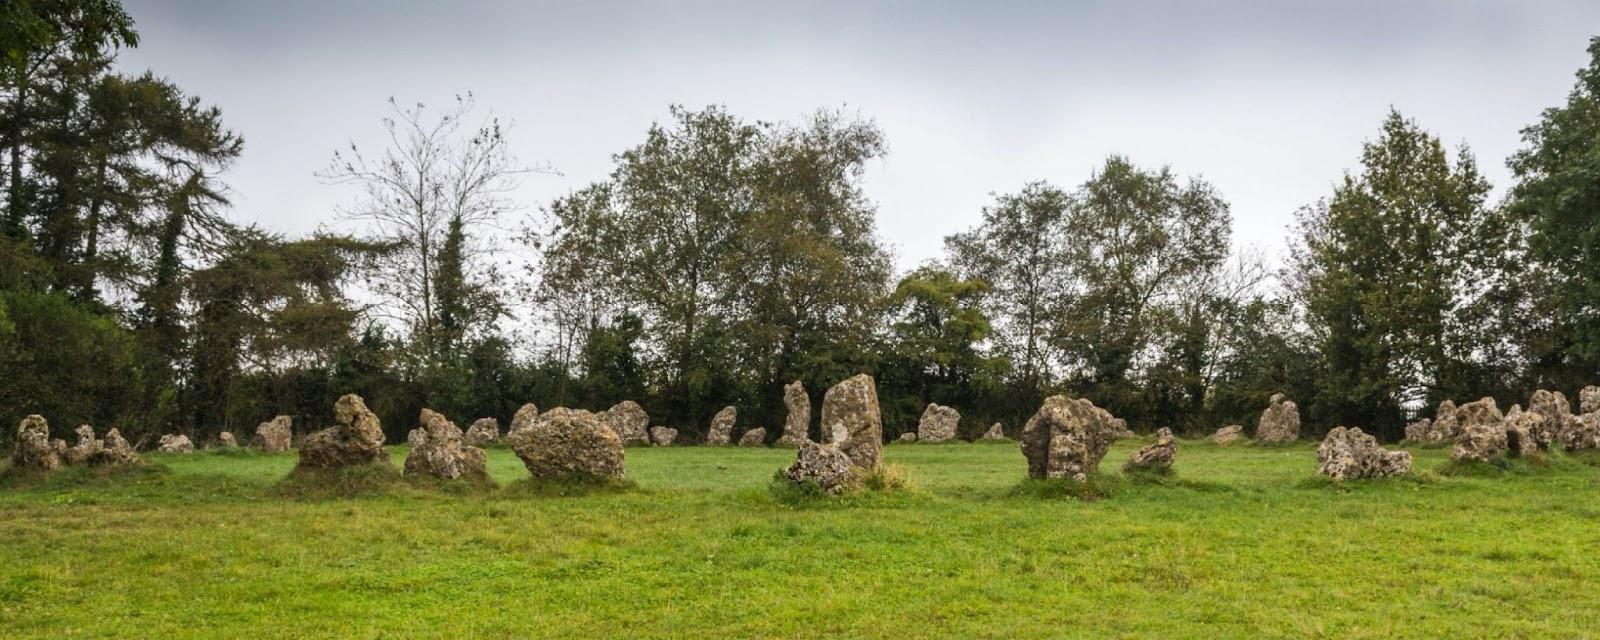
(1244, 543)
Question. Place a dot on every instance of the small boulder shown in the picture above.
(1418, 431)
(1228, 434)
(175, 443)
(825, 464)
(275, 435)
(355, 439)
(1280, 422)
(417, 437)
(1589, 400)
(796, 428)
(853, 404)
(996, 431)
(1583, 434)
(938, 424)
(756, 437)
(1349, 454)
(34, 451)
(1481, 432)
(629, 420)
(662, 436)
(226, 439)
(1067, 438)
(566, 442)
(908, 437)
(441, 453)
(721, 432)
(484, 431)
(1157, 455)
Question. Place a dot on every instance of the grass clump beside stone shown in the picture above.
(367, 480)
(572, 486)
(1096, 486)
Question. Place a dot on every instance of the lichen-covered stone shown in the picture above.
(1067, 438)
(721, 432)
(1228, 434)
(853, 404)
(88, 447)
(996, 431)
(938, 424)
(275, 435)
(484, 431)
(1349, 454)
(797, 427)
(566, 442)
(523, 419)
(1156, 455)
(1444, 426)
(115, 452)
(1556, 414)
(1418, 431)
(663, 436)
(1526, 432)
(756, 437)
(417, 437)
(825, 464)
(1583, 434)
(1589, 399)
(34, 451)
(175, 443)
(441, 453)
(629, 420)
(1280, 422)
(1480, 431)
(908, 437)
(226, 439)
(355, 439)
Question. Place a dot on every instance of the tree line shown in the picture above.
(723, 258)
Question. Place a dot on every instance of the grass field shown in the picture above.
(1243, 543)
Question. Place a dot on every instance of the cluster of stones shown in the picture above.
(1067, 438)
(938, 424)
(36, 451)
(175, 443)
(1349, 454)
(1481, 432)
(355, 439)
(563, 442)
(1157, 455)
(852, 427)
(1280, 422)
(437, 449)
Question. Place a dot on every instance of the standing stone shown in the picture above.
(88, 447)
(1157, 455)
(629, 420)
(1228, 434)
(1418, 431)
(1349, 454)
(227, 439)
(1583, 434)
(1589, 399)
(441, 453)
(175, 443)
(721, 432)
(1526, 432)
(355, 439)
(568, 442)
(1481, 432)
(34, 451)
(1280, 422)
(938, 424)
(662, 436)
(524, 418)
(825, 464)
(115, 452)
(754, 438)
(796, 428)
(908, 437)
(274, 436)
(483, 431)
(1067, 438)
(1444, 427)
(1557, 416)
(853, 404)
(996, 432)
(417, 437)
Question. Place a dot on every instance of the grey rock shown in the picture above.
(1349, 454)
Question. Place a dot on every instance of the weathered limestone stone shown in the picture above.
(1280, 422)
(441, 453)
(1122, 429)
(524, 418)
(1552, 406)
(853, 404)
(1158, 454)
(417, 437)
(483, 431)
(756, 437)
(88, 447)
(1418, 431)
(275, 435)
(908, 437)
(1067, 438)
(825, 464)
(1444, 427)
(662, 436)
(1481, 432)
(938, 424)
(629, 420)
(1228, 434)
(796, 428)
(1589, 399)
(34, 451)
(568, 442)
(115, 452)
(996, 431)
(355, 439)
(1583, 434)
(1526, 432)
(227, 440)
(175, 443)
(721, 432)
(1349, 454)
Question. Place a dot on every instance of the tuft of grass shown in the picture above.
(575, 485)
(797, 495)
(1500, 466)
(1417, 478)
(368, 480)
(886, 478)
(1094, 487)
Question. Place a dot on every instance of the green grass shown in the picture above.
(1239, 542)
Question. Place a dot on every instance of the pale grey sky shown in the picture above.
(1269, 99)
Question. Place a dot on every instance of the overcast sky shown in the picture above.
(1269, 100)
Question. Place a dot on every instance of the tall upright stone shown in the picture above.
(1280, 422)
(1589, 399)
(938, 424)
(721, 432)
(566, 442)
(524, 418)
(1067, 438)
(797, 427)
(630, 422)
(34, 451)
(1444, 427)
(1556, 414)
(853, 405)
(275, 435)
(1526, 432)
(484, 431)
(442, 453)
(1481, 432)
(355, 439)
